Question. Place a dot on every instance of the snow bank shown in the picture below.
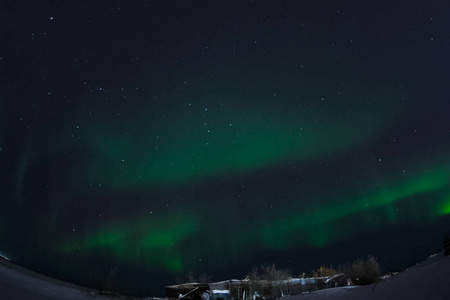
(17, 283)
(427, 280)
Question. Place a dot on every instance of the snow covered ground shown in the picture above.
(429, 280)
(17, 283)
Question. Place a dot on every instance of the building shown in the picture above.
(249, 289)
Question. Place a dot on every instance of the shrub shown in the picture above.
(270, 273)
(363, 272)
(190, 277)
(267, 281)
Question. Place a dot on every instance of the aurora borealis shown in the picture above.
(175, 137)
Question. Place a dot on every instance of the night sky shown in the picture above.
(162, 137)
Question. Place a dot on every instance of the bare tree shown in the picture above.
(363, 272)
(269, 281)
(270, 273)
(191, 277)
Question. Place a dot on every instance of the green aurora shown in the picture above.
(139, 136)
(159, 241)
(426, 195)
(225, 138)
(151, 240)
(212, 143)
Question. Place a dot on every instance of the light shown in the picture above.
(2, 255)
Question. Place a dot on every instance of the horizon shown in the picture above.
(38, 285)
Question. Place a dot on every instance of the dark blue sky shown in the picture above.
(163, 138)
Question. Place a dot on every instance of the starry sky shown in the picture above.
(158, 138)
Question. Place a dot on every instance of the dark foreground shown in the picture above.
(428, 280)
(17, 283)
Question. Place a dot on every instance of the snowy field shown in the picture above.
(428, 280)
(17, 283)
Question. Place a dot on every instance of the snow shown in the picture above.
(17, 283)
(220, 291)
(427, 280)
